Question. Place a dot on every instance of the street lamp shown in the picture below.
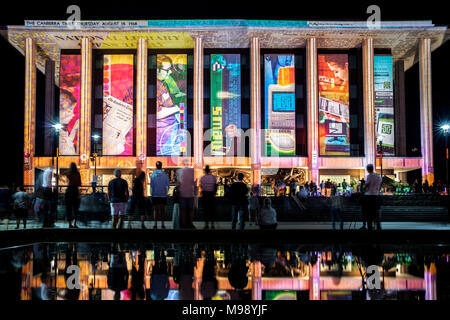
(94, 155)
(57, 127)
(445, 129)
(380, 152)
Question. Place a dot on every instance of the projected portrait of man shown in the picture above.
(340, 69)
(169, 99)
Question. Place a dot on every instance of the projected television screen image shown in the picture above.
(118, 105)
(69, 104)
(384, 103)
(279, 83)
(334, 112)
(225, 103)
(171, 104)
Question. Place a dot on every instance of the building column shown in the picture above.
(85, 109)
(256, 281)
(313, 110)
(198, 108)
(430, 282)
(49, 144)
(426, 119)
(369, 103)
(314, 279)
(30, 111)
(141, 104)
(255, 137)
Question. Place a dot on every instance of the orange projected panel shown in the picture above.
(118, 105)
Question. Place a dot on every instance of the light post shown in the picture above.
(380, 152)
(57, 127)
(445, 129)
(94, 155)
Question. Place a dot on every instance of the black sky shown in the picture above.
(12, 62)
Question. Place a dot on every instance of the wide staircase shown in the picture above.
(417, 208)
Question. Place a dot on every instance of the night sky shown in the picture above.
(13, 63)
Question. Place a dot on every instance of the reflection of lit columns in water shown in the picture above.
(85, 109)
(198, 274)
(256, 281)
(430, 282)
(313, 110)
(369, 103)
(198, 108)
(314, 279)
(255, 138)
(426, 109)
(30, 110)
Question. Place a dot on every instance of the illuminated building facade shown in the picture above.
(316, 98)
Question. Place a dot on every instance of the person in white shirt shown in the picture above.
(253, 208)
(267, 216)
(371, 201)
(208, 185)
(185, 180)
(47, 194)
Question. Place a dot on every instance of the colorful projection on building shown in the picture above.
(69, 104)
(279, 85)
(334, 114)
(225, 103)
(171, 102)
(384, 104)
(118, 105)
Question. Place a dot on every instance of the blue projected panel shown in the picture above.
(283, 101)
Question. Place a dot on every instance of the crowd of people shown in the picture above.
(188, 195)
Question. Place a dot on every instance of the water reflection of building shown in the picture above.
(44, 44)
(336, 279)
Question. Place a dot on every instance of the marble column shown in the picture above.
(141, 104)
(369, 103)
(426, 118)
(198, 108)
(255, 137)
(85, 109)
(313, 109)
(30, 111)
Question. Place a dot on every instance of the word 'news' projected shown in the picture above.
(384, 103)
(69, 104)
(118, 105)
(334, 113)
(279, 83)
(225, 103)
(171, 104)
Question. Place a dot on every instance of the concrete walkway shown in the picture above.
(11, 225)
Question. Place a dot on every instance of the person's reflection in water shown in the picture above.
(71, 259)
(117, 273)
(210, 284)
(183, 272)
(137, 277)
(11, 263)
(159, 280)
